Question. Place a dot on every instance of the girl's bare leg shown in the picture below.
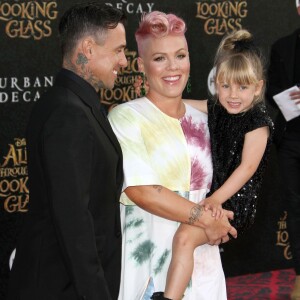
(185, 240)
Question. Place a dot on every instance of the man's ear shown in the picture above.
(87, 46)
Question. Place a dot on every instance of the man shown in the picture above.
(70, 247)
(284, 72)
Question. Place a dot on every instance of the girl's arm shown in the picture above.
(253, 151)
(197, 104)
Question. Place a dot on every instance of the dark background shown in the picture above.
(27, 57)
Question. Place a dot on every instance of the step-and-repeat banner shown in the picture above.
(30, 58)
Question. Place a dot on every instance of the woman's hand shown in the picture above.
(220, 231)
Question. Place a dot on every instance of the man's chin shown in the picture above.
(110, 86)
(107, 86)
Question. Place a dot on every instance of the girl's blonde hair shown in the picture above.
(240, 61)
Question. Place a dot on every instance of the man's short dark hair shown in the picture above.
(87, 19)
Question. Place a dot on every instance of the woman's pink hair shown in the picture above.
(158, 24)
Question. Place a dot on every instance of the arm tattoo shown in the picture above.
(158, 188)
(196, 213)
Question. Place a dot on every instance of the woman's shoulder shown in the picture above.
(127, 107)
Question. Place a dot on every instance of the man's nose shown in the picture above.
(123, 60)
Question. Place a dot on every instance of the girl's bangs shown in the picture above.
(237, 70)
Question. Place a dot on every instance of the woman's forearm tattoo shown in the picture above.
(196, 213)
(158, 188)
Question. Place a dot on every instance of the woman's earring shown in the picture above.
(143, 90)
(189, 85)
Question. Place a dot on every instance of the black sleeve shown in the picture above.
(260, 118)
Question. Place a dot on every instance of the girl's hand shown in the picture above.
(216, 208)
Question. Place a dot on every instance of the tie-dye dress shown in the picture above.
(161, 150)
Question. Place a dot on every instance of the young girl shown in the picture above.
(240, 132)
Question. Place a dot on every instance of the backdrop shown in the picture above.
(30, 58)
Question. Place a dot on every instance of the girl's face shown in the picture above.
(237, 98)
(166, 64)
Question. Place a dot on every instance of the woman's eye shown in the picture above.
(159, 58)
(181, 56)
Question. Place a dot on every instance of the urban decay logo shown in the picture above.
(220, 17)
(28, 19)
(25, 89)
(14, 177)
(131, 7)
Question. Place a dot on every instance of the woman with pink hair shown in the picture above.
(167, 169)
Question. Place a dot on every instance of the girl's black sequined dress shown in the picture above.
(227, 132)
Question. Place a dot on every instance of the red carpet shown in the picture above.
(274, 285)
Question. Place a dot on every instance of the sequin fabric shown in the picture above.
(227, 133)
